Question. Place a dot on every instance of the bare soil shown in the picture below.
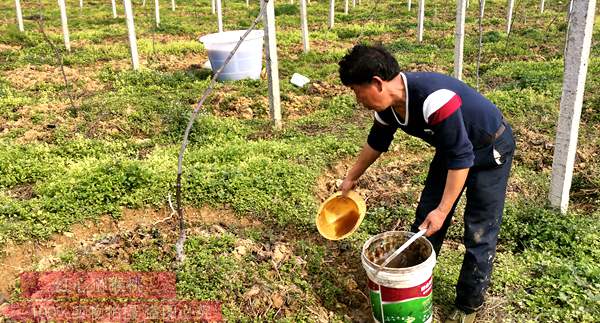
(44, 255)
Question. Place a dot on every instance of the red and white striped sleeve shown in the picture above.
(439, 105)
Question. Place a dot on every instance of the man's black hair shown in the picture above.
(363, 62)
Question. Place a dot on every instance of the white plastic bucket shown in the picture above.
(402, 294)
(247, 60)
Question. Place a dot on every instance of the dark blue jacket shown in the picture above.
(443, 111)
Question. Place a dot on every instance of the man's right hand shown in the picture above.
(347, 185)
(366, 157)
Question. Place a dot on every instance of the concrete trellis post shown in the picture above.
(459, 37)
(304, 23)
(409, 4)
(219, 16)
(19, 15)
(173, 5)
(509, 14)
(114, 8)
(576, 63)
(421, 18)
(213, 7)
(353, 3)
(80, 4)
(247, 3)
(157, 12)
(467, 4)
(131, 33)
(272, 64)
(346, 7)
(542, 6)
(65, 25)
(331, 13)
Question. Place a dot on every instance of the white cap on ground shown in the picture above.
(299, 80)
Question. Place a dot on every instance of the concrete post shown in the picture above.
(576, 63)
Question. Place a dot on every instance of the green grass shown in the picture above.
(117, 148)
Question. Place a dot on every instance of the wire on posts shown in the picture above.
(184, 143)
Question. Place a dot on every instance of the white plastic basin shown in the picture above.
(246, 63)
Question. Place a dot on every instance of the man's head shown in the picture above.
(368, 71)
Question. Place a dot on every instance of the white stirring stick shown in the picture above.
(399, 250)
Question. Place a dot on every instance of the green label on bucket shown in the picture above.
(412, 304)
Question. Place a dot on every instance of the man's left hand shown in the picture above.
(433, 222)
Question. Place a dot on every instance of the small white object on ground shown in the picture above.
(207, 65)
(299, 80)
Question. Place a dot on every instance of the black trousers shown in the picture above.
(485, 192)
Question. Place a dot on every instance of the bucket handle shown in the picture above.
(399, 250)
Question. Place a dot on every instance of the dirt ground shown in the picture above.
(44, 255)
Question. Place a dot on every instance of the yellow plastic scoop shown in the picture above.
(339, 216)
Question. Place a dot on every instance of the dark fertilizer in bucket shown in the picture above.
(401, 291)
